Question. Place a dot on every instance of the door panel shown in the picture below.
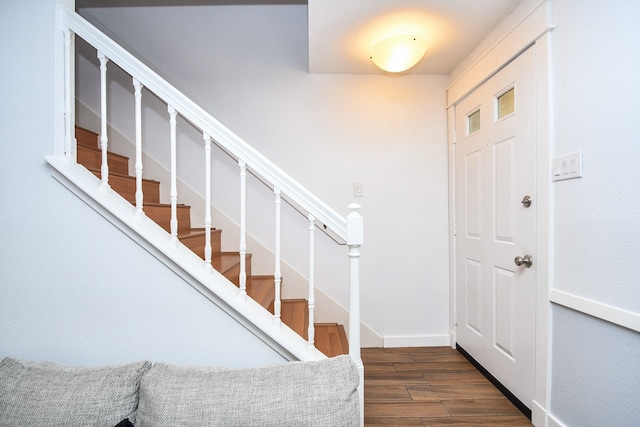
(495, 169)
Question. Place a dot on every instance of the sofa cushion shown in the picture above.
(292, 394)
(39, 394)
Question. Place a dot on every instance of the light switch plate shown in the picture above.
(567, 167)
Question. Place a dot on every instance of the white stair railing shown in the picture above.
(207, 202)
(312, 285)
(104, 140)
(137, 94)
(344, 230)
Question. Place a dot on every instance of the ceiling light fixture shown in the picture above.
(399, 53)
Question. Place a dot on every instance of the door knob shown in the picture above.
(526, 201)
(526, 260)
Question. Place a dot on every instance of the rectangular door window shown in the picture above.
(506, 103)
(473, 121)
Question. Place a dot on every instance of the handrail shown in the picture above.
(192, 112)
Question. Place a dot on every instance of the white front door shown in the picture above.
(495, 170)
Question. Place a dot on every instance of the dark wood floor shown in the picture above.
(431, 386)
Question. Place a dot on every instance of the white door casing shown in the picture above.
(495, 168)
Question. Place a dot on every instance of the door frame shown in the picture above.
(529, 26)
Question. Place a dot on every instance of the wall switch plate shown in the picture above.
(358, 189)
(567, 167)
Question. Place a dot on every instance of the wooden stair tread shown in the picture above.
(99, 150)
(331, 339)
(195, 232)
(122, 175)
(165, 205)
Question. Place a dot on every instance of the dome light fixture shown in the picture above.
(399, 53)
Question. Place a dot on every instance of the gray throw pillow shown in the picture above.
(292, 394)
(48, 394)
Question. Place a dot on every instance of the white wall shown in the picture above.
(596, 218)
(73, 288)
(247, 66)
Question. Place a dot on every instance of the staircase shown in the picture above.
(330, 338)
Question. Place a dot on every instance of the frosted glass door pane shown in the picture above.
(474, 122)
(506, 104)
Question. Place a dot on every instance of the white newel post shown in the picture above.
(312, 300)
(137, 94)
(104, 140)
(173, 194)
(355, 236)
(243, 229)
(277, 275)
(207, 202)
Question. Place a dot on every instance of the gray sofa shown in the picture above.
(291, 394)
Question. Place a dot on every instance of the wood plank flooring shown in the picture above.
(431, 386)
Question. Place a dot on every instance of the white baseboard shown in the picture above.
(540, 417)
(554, 422)
(416, 341)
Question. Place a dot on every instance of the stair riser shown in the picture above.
(126, 187)
(91, 158)
(295, 314)
(234, 274)
(87, 138)
(196, 244)
(162, 216)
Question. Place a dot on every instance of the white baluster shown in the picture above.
(207, 202)
(277, 275)
(173, 193)
(69, 129)
(312, 301)
(355, 237)
(104, 170)
(243, 229)
(137, 93)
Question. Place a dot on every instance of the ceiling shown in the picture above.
(343, 32)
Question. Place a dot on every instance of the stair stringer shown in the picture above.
(181, 260)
